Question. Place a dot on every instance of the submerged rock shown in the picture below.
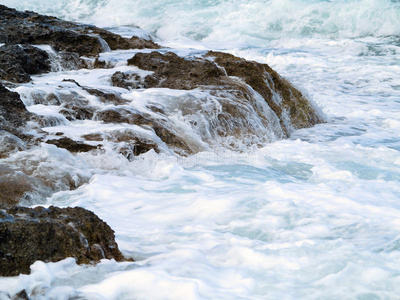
(10, 143)
(16, 186)
(106, 97)
(31, 183)
(127, 142)
(77, 110)
(159, 126)
(127, 81)
(29, 176)
(71, 145)
(52, 234)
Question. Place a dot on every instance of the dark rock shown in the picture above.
(99, 64)
(16, 186)
(160, 126)
(129, 81)
(71, 80)
(156, 109)
(10, 101)
(13, 114)
(18, 62)
(136, 147)
(123, 115)
(116, 41)
(20, 32)
(22, 295)
(266, 81)
(112, 116)
(10, 143)
(47, 121)
(171, 138)
(139, 43)
(172, 71)
(71, 145)
(29, 178)
(68, 61)
(94, 137)
(128, 143)
(106, 97)
(31, 28)
(52, 234)
(77, 110)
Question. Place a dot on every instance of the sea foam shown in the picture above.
(237, 21)
(315, 216)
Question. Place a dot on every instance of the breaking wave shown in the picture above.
(250, 22)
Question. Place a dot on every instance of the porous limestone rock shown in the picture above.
(52, 234)
(34, 29)
(17, 62)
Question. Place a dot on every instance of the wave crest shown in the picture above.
(250, 22)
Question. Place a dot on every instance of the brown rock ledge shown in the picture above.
(52, 234)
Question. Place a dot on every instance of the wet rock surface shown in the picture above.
(216, 70)
(16, 186)
(13, 113)
(158, 125)
(19, 30)
(106, 97)
(71, 145)
(139, 43)
(173, 71)
(29, 178)
(17, 62)
(10, 143)
(77, 110)
(127, 81)
(31, 28)
(266, 82)
(127, 142)
(52, 234)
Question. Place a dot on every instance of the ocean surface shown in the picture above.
(315, 216)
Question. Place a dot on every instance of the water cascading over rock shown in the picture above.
(193, 103)
(155, 101)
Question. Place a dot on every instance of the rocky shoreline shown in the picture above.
(35, 44)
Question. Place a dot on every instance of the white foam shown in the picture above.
(312, 217)
(233, 21)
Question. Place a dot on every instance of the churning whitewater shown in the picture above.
(314, 216)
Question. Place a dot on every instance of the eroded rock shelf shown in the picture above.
(154, 101)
